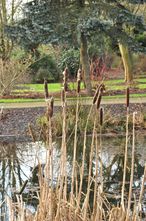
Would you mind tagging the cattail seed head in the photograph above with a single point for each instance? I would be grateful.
(78, 86)
(79, 75)
(65, 78)
(99, 99)
(50, 107)
(101, 112)
(127, 97)
(100, 87)
(63, 95)
(65, 74)
(46, 89)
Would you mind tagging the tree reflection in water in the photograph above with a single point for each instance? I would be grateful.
(17, 161)
(10, 173)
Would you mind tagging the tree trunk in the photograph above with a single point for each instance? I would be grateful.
(127, 62)
(84, 59)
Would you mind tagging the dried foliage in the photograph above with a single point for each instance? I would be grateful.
(57, 203)
(11, 73)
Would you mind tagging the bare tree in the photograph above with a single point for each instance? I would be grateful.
(8, 11)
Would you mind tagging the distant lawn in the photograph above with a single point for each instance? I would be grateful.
(25, 100)
(20, 100)
(52, 87)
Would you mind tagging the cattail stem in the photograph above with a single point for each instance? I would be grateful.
(63, 176)
(125, 160)
(141, 192)
(75, 147)
(90, 180)
(132, 169)
(31, 132)
(83, 158)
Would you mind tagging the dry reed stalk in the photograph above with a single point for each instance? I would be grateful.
(101, 170)
(79, 77)
(97, 98)
(11, 209)
(95, 179)
(62, 195)
(141, 193)
(90, 179)
(117, 214)
(132, 170)
(75, 150)
(47, 192)
(83, 158)
(125, 160)
(1, 113)
(31, 132)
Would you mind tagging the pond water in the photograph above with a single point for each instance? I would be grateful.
(19, 162)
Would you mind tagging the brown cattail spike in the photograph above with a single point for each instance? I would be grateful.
(79, 75)
(65, 78)
(101, 111)
(46, 89)
(50, 108)
(78, 86)
(100, 87)
(63, 95)
(127, 97)
(99, 99)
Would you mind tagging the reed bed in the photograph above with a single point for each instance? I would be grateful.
(61, 203)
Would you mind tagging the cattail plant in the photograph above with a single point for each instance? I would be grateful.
(126, 150)
(127, 97)
(99, 100)
(79, 77)
(50, 105)
(132, 169)
(101, 112)
(63, 96)
(100, 87)
(65, 78)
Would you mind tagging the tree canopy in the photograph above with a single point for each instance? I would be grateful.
(66, 21)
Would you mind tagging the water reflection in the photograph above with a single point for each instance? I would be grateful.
(19, 162)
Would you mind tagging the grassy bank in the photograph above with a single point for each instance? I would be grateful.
(88, 99)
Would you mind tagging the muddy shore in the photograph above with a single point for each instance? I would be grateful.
(14, 122)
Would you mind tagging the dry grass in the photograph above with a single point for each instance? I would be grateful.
(56, 204)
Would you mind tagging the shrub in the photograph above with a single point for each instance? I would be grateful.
(45, 67)
(70, 58)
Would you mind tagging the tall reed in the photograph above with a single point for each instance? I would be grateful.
(91, 204)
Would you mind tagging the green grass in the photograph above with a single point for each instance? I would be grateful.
(27, 100)
(115, 84)
(20, 100)
(52, 87)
